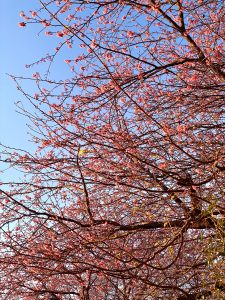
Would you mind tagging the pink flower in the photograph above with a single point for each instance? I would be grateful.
(36, 96)
(45, 23)
(22, 24)
(59, 34)
(33, 14)
(130, 33)
(108, 56)
(48, 33)
(36, 75)
(69, 44)
(162, 165)
(22, 14)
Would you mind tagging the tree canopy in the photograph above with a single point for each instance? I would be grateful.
(124, 197)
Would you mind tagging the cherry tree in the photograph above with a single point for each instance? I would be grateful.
(124, 196)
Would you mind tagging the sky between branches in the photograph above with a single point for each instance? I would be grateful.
(16, 48)
(19, 47)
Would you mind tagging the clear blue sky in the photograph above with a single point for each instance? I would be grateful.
(18, 47)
